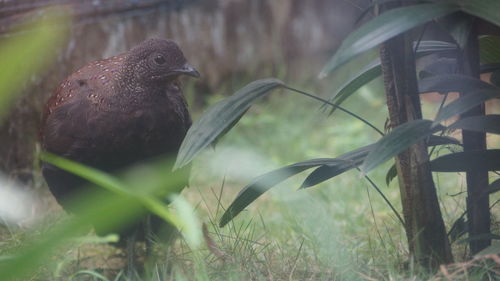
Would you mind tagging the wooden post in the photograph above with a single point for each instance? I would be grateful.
(478, 211)
(425, 230)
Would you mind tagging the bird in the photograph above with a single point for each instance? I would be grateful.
(113, 113)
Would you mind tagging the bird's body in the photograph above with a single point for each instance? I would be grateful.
(116, 112)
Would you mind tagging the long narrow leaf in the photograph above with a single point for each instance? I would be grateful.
(383, 28)
(432, 141)
(368, 74)
(453, 83)
(116, 186)
(491, 250)
(24, 55)
(221, 117)
(488, 49)
(343, 163)
(397, 141)
(468, 161)
(265, 182)
(486, 123)
(495, 78)
(428, 47)
(490, 67)
(441, 140)
(373, 70)
(494, 186)
(465, 103)
(485, 9)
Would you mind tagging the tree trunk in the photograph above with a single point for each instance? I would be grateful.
(478, 212)
(425, 230)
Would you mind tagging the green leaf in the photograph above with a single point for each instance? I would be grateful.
(485, 236)
(106, 212)
(373, 70)
(491, 250)
(494, 186)
(441, 140)
(399, 139)
(429, 47)
(468, 161)
(490, 67)
(458, 26)
(119, 188)
(369, 73)
(495, 78)
(458, 229)
(489, 52)
(485, 9)
(26, 54)
(432, 141)
(486, 123)
(453, 83)
(391, 174)
(466, 102)
(265, 182)
(383, 28)
(337, 166)
(221, 117)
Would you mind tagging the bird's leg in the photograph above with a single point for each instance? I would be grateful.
(131, 271)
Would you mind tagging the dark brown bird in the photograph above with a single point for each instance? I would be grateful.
(116, 112)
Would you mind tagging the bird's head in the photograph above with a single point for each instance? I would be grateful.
(157, 60)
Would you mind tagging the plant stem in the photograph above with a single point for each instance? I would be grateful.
(337, 107)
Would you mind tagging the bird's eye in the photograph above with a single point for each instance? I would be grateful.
(159, 59)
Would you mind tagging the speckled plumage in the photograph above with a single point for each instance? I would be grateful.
(116, 112)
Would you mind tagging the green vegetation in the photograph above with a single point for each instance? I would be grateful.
(339, 228)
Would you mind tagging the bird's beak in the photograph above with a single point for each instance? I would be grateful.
(188, 69)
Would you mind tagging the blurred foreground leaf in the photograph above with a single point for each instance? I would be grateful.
(27, 53)
(106, 213)
(161, 186)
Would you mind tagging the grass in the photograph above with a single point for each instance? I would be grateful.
(338, 230)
